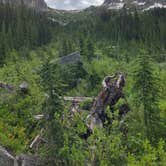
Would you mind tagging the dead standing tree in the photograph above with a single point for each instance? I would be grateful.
(109, 96)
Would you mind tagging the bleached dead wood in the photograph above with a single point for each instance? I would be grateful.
(7, 86)
(78, 99)
(34, 141)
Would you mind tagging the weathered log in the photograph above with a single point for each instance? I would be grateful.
(37, 141)
(77, 99)
(7, 86)
(38, 117)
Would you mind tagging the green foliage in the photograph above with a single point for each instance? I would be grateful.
(21, 28)
(86, 105)
(76, 72)
(150, 155)
(18, 127)
(53, 109)
(66, 48)
(109, 42)
(147, 93)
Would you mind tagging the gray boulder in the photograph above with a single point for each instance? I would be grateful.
(28, 160)
(6, 159)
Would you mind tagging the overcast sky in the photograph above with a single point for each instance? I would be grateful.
(72, 4)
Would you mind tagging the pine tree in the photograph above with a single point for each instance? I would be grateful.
(3, 45)
(82, 47)
(53, 109)
(90, 50)
(9, 38)
(136, 25)
(147, 92)
(66, 48)
(19, 32)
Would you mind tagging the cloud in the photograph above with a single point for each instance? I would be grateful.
(72, 4)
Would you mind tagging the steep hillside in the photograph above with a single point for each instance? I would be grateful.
(53, 64)
(140, 4)
(36, 4)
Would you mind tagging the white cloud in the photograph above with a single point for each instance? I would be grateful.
(72, 4)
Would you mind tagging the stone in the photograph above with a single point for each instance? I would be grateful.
(28, 160)
(6, 159)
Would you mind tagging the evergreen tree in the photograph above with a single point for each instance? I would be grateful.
(3, 45)
(82, 47)
(66, 48)
(90, 50)
(147, 92)
(23, 27)
(9, 38)
(19, 32)
(53, 109)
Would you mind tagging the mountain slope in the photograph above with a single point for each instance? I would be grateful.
(39, 5)
(139, 4)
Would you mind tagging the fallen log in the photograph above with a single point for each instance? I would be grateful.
(7, 86)
(78, 99)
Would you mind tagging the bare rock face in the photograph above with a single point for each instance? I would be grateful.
(6, 159)
(71, 58)
(108, 2)
(36, 4)
(28, 160)
(139, 4)
(39, 5)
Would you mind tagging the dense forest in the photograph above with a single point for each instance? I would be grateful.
(32, 45)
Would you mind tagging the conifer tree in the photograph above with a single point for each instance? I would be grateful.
(82, 47)
(90, 50)
(9, 38)
(147, 92)
(3, 45)
(53, 109)
(66, 48)
(19, 32)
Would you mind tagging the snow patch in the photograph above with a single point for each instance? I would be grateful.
(58, 21)
(155, 5)
(116, 5)
(139, 3)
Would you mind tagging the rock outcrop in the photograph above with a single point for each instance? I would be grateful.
(39, 5)
(139, 4)
(28, 160)
(71, 58)
(6, 159)
(36, 4)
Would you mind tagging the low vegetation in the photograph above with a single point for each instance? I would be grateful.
(109, 42)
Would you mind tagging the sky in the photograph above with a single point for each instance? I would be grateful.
(72, 4)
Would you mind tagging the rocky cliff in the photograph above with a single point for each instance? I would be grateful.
(35, 4)
(140, 4)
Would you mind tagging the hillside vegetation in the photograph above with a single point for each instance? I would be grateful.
(109, 42)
